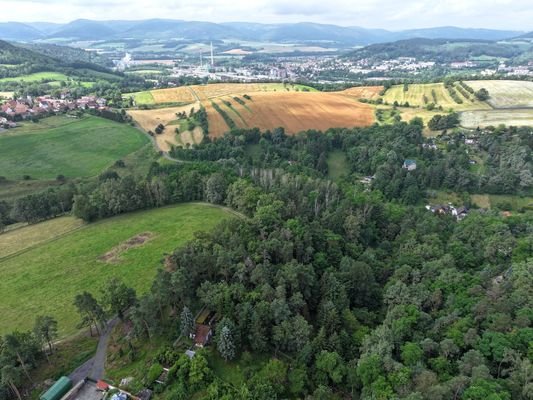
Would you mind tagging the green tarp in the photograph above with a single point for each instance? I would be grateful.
(58, 389)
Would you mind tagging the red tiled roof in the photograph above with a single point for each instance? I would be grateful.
(101, 385)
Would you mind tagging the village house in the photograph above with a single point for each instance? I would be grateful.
(409, 165)
(26, 108)
(204, 328)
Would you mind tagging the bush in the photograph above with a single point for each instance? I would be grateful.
(153, 373)
(482, 94)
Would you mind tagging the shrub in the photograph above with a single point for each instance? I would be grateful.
(153, 373)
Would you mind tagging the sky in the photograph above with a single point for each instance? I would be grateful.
(387, 14)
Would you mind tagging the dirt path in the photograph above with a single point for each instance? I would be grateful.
(94, 368)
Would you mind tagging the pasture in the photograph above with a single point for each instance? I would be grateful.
(419, 95)
(509, 117)
(70, 147)
(38, 77)
(17, 240)
(45, 278)
(295, 112)
(506, 94)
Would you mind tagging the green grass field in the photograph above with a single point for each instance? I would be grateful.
(506, 94)
(46, 278)
(37, 77)
(18, 240)
(61, 145)
(337, 165)
(508, 117)
(142, 98)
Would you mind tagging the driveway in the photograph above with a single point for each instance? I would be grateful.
(94, 368)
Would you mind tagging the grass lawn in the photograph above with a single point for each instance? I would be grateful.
(67, 356)
(45, 279)
(37, 77)
(235, 372)
(71, 147)
(337, 165)
(142, 97)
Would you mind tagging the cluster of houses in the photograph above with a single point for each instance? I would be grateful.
(448, 209)
(35, 106)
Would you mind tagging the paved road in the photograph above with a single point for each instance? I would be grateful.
(94, 368)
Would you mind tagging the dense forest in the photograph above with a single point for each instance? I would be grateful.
(440, 50)
(353, 289)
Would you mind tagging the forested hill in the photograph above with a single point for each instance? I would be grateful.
(442, 50)
(342, 289)
(67, 54)
(18, 60)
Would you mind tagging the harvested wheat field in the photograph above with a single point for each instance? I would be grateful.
(189, 94)
(173, 95)
(295, 112)
(506, 94)
(363, 92)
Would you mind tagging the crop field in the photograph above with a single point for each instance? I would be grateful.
(506, 94)
(149, 119)
(509, 117)
(189, 94)
(6, 95)
(66, 146)
(363, 92)
(37, 77)
(45, 278)
(415, 97)
(295, 112)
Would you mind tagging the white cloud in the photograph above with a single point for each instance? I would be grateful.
(388, 14)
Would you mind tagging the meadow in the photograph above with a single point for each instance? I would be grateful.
(506, 94)
(38, 77)
(509, 117)
(45, 278)
(70, 147)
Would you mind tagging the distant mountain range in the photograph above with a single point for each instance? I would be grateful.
(83, 29)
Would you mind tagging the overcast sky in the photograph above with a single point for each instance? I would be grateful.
(388, 14)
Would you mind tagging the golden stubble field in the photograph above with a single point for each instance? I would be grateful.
(295, 112)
